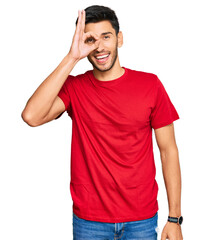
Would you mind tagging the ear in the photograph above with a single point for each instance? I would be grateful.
(120, 39)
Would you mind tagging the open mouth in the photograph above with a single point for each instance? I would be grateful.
(103, 58)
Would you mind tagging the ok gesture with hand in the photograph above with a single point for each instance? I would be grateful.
(81, 47)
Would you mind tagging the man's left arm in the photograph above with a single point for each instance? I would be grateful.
(165, 138)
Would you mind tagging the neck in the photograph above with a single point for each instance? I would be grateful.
(115, 72)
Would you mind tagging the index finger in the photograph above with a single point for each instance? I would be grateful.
(89, 35)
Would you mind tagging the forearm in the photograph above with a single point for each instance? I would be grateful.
(42, 99)
(172, 178)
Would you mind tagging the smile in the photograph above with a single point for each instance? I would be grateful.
(103, 58)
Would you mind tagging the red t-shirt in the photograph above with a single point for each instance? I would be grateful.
(112, 160)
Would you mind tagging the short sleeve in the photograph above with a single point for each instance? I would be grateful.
(65, 96)
(163, 111)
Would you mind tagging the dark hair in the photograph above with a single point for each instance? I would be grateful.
(97, 13)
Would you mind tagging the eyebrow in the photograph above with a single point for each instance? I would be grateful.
(105, 33)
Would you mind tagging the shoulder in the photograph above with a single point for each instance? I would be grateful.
(81, 76)
(142, 73)
(144, 77)
(73, 79)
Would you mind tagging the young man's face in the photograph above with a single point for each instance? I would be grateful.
(108, 46)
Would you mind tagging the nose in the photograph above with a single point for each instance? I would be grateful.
(100, 47)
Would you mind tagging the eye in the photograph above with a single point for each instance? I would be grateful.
(106, 37)
(89, 40)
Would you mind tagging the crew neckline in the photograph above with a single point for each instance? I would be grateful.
(108, 82)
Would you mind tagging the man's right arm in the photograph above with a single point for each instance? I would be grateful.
(45, 105)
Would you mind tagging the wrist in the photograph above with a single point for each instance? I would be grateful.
(175, 213)
(70, 59)
(175, 210)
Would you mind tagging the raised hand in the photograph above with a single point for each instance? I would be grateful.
(83, 43)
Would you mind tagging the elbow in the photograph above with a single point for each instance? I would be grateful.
(27, 118)
(169, 153)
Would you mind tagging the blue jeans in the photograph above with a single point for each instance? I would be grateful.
(135, 230)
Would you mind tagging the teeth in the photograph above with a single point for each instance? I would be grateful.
(104, 56)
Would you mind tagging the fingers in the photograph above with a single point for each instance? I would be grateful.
(83, 20)
(78, 23)
(78, 27)
(92, 40)
(90, 35)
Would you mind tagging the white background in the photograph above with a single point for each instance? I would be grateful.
(162, 37)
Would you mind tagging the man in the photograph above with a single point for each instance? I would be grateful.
(113, 110)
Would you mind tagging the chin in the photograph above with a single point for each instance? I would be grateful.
(103, 68)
